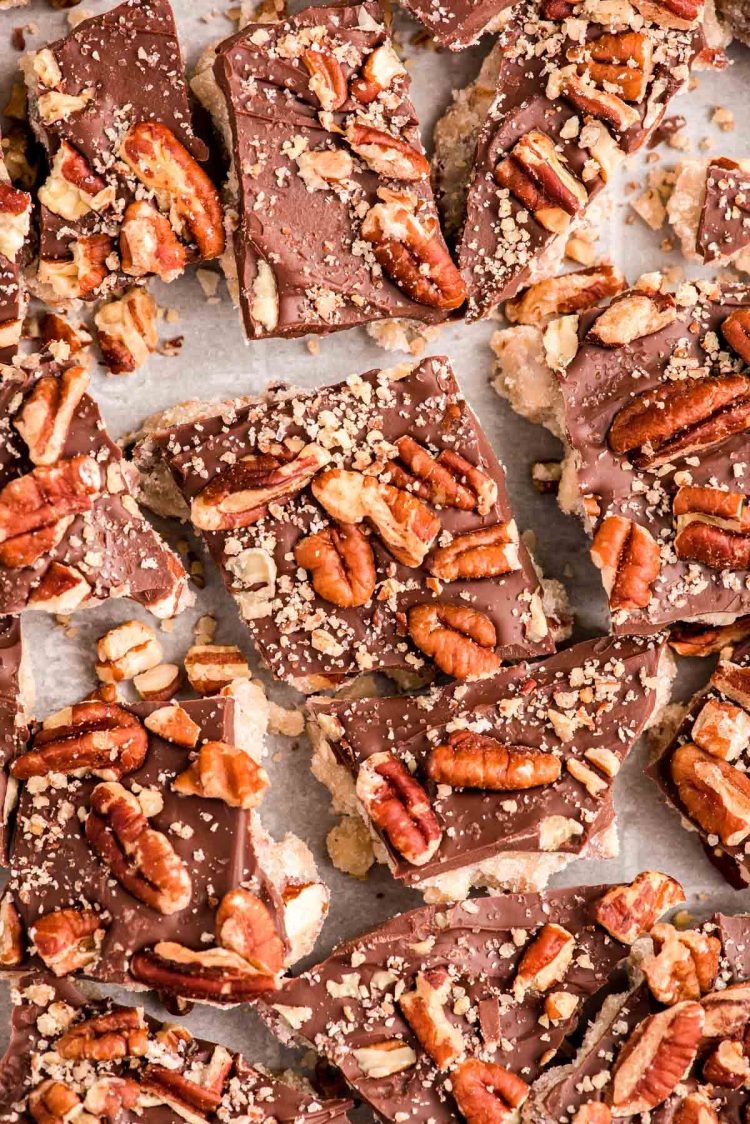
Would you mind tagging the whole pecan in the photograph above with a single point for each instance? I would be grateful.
(214, 974)
(121, 1033)
(239, 495)
(714, 794)
(471, 760)
(47, 412)
(656, 1058)
(399, 806)
(546, 960)
(98, 737)
(448, 480)
(459, 640)
(423, 1008)
(684, 964)
(244, 925)
(342, 564)
(224, 772)
(630, 910)
(33, 506)
(68, 939)
(327, 79)
(53, 1102)
(677, 419)
(487, 553)
(162, 164)
(630, 561)
(142, 859)
(487, 1093)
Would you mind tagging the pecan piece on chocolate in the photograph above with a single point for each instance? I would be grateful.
(405, 524)
(109, 1097)
(214, 974)
(701, 640)
(722, 729)
(736, 331)
(121, 1033)
(142, 859)
(191, 1099)
(589, 99)
(696, 1108)
(676, 419)
(679, 15)
(545, 962)
(459, 640)
(97, 737)
(684, 964)
(327, 79)
(655, 1058)
(47, 412)
(244, 925)
(630, 561)
(487, 1093)
(448, 480)
(35, 509)
(471, 760)
(541, 180)
(727, 1065)
(342, 564)
(239, 495)
(620, 63)
(633, 316)
(560, 296)
(630, 910)
(224, 772)
(733, 680)
(487, 553)
(53, 1102)
(388, 156)
(380, 70)
(68, 940)
(424, 1009)
(713, 527)
(398, 805)
(715, 795)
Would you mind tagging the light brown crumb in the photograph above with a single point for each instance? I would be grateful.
(724, 118)
(650, 208)
(350, 847)
(313, 346)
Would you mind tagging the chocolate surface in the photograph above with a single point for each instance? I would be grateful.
(15, 220)
(13, 725)
(596, 695)
(724, 227)
(109, 550)
(302, 636)
(459, 23)
(303, 263)
(45, 1009)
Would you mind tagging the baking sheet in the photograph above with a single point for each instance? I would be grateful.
(215, 361)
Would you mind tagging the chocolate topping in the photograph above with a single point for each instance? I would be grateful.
(724, 227)
(459, 23)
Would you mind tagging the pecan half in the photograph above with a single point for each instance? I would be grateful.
(677, 419)
(149, 245)
(701, 640)
(459, 640)
(471, 760)
(68, 940)
(389, 156)
(32, 507)
(487, 1093)
(126, 650)
(713, 527)
(541, 180)
(448, 480)
(342, 564)
(722, 729)
(44, 419)
(546, 960)
(239, 495)
(214, 974)
(655, 1058)
(488, 553)
(736, 331)
(409, 247)
(727, 1011)
(684, 964)
(631, 317)
(405, 524)
(121, 1033)
(424, 1009)
(109, 1097)
(224, 772)
(630, 910)
(398, 805)
(630, 561)
(560, 296)
(96, 737)
(714, 794)
(162, 164)
(142, 859)
(620, 63)
(244, 925)
(11, 934)
(695, 1109)
(327, 79)
(53, 1102)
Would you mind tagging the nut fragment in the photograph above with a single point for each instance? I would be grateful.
(545, 962)
(684, 965)
(695, 1109)
(72, 189)
(540, 178)
(488, 553)
(424, 1010)
(121, 1033)
(593, 1112)
(620, 63)
(722, 729)
(727, 1065)
(560, 296)
(389, 156)
(224, 772)
(44, 419)
(214, 974)
(174, 724)
(714, 794)
(487, 1093)
(736, 331)
(655, 1058)
(142, 859)
(68, 940)
(342, 564)
(211, 667)
(11, 934)
(34, 508)
(97, 737)
(125, 651)
(733, 681)
(399, 806)
(327, 80)
(630, 910)
(149, 245)
(471, 760)
(713, 527)
(244, 925)
(53, 1102)
(384, 1059)
(630, 561)
(459, 640)
(380, 70)
(158, 683)
(126, 331)
(448, 480)
(632, 317)
(701, 640)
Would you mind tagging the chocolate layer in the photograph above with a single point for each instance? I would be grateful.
(459, 23)
(15, 223)
(724, 227)
(13, 720)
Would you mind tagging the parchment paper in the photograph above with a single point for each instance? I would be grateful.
(215, 361)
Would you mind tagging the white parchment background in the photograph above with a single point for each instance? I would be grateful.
(215, 361)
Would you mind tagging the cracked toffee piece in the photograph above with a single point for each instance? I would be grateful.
(703, 770)
(138, 858)
(446, 1014)
(71, 533)
(652, 397)
(500, 782)
(460, 23)
(72, 1056)
(363, 527)
(16, 700)
(669, 1047)
(709, 208)
(574, 97)
(15, 224)
(331, 216)
(125, 198)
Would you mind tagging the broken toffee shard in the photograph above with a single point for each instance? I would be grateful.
(452, 1012)
(460, 23)
(709, 209)
(71, 533)
(574, 96)
(150, 845)
(15, 225)
(350, 232)
(16, 702)
(652, 397)
(126, 197)
(497, 783)
(71, 1055)
(361, 527)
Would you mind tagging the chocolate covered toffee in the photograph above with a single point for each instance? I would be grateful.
(16, 701)
(15, 226)
(459, 23)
